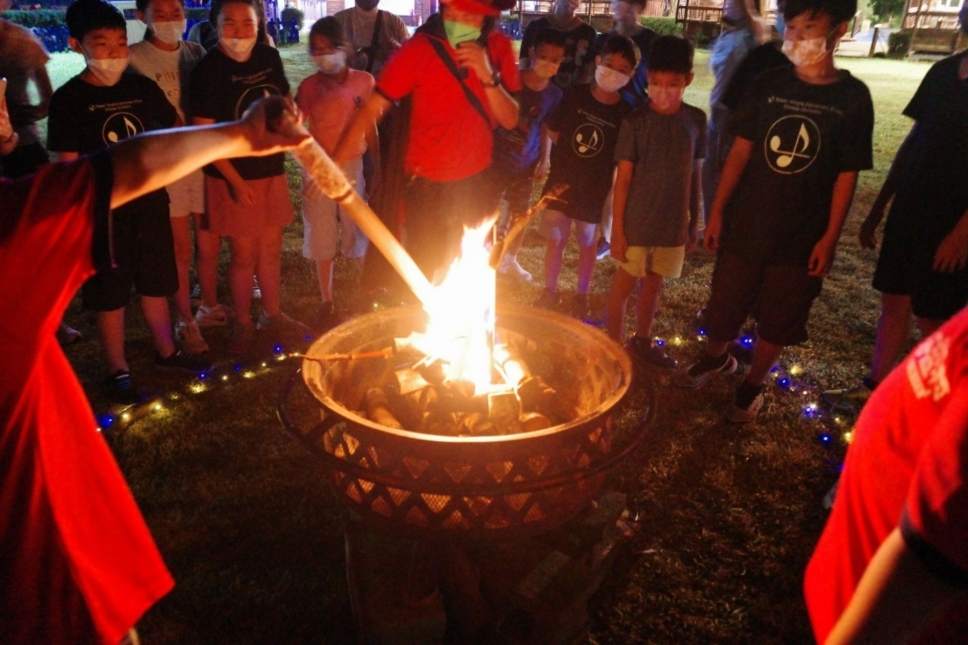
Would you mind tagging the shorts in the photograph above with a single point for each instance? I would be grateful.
(187, 195)
(555, 226)
(144, 252)
(227, 217)
(778, 296)
(320, 215)
(905, 270)
(515, 185)
(666, 261)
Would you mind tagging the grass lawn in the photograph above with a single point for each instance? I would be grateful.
(252, 533)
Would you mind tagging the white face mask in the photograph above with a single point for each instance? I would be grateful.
(805, 52)
(545, 68)
(330, 63)
(610, 80)
(238, 49)
(170, 32)
(666, 99)
(107, 70)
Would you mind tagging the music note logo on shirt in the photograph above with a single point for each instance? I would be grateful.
(121, 125)
(588, 140)
(792, 144)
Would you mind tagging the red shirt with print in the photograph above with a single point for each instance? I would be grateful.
(906, 467)
(449, 139)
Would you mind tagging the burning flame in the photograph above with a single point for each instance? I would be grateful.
(460, 330)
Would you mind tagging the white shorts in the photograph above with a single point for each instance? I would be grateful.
(555, 226)
(187, 195)
(662, 260)
(320, 228)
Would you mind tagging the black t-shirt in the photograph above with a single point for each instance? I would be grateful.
(222, 89)
(637, 89)
(761, 59)
(584, 156)
(933, 192)
(85, 118)
(578, 43)
(804, 136)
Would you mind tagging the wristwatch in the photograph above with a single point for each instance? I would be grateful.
(495, 79)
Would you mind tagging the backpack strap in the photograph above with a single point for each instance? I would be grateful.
(475, 102)
(371, 54)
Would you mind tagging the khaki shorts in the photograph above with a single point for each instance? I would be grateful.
(323, 219)
(232, 219)
(187, 195)
(662, 260)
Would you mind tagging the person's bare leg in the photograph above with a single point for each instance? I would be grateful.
(893, 334)
(245, 251)
(586, 265)
(159, 322)
(181, 232)
(765, 356)
(647, 304)
(110, 326)
(552, 263)
(324, 274)
(623, 283)
(209, 246)
(268, 269)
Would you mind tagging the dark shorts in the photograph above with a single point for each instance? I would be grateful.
(514, 185)
(779, 297)
(904, 269)
(144, 253)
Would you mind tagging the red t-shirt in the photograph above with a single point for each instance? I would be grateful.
(906, 467)
(449, 139)
(77, 563)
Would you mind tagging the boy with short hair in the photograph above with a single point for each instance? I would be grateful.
(584, 131)
(802, 135)
(96, 108)
(656, 195)
(521, 154)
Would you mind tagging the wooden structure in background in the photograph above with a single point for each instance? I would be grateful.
(598, 13)
(935, 30)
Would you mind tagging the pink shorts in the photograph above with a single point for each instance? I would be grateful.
(232, 219)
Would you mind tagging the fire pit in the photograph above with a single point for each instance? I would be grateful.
(468, 488)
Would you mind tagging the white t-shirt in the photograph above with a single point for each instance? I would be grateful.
(170, 70)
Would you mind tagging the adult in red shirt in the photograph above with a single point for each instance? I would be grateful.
(892, 563)
(77, 564)
(458, 72)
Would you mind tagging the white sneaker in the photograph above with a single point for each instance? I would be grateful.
(510, 267)
(211, 316)
(189, 337)
(256, 290)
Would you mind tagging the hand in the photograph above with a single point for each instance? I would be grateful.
(952, 254)
(693, 241)
(868, 239)
(6, 128)
(471, 55)
(242, 193)
(618, 246)
(714, 228)
(272, 125)
(822, 258)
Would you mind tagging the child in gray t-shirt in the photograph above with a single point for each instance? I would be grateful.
(657, 199)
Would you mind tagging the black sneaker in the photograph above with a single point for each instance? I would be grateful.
(548, 300)
(179, 360)
(704, 369)
(119, 388)
(749, 400)
(603, 250)
(645, 352)
(580, 306)
(326, 318)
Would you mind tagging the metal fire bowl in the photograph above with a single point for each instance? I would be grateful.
(469, 488)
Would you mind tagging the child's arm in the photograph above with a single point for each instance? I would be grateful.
(739, 156)
(240, 190)
(620, 197)
(365, 118)
(868, 228)
(822, 257)
(952, 253)
(373, 145)
(544, 157)
(695, 205)
(503, 105)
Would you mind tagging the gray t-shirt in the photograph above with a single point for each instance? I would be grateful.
(663, 148)
(170, 70)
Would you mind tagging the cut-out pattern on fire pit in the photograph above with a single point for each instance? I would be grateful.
(469, 487)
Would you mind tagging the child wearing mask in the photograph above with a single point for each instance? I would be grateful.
(247, 199)
(329, 99)
(657, 196)
(168, 60)
(521, 153)
(803, 134)
(99, 107)
(584, 130)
